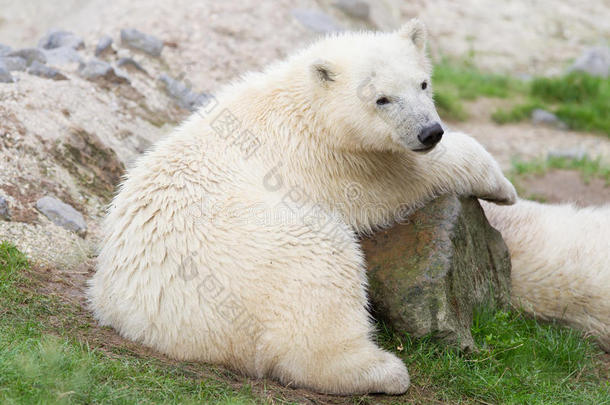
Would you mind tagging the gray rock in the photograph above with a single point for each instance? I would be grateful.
(96, 69)
(103, 45)
(142, 42)
(30, 55)
(540, 116)
(38, 69)
(5, 49)
(5, 75)
(577, 153)
(4, 211)
(121, 76)
(594, 61)
(316, 21)
(544, 117)
(183, 93)
(354, 8)
(13, 63)
(130, 64)
(58, 39)
(62, 56)
(62, 214)
(427, 276)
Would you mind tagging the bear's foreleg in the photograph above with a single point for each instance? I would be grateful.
(460, 165)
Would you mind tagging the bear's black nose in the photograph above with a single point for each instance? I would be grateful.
(431, 135)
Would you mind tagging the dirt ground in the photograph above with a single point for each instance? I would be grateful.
(566, 186)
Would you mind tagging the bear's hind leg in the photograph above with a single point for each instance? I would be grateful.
(359, 367)
(317, 329)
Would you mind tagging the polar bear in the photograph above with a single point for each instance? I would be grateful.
(560, 258)
(234, 240)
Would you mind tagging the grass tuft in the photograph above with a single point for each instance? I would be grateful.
(589, 168)
(518, 113)
(449, 106)
(578, 99)
(469, 82)
(574, 87)
(520, 361)
(454, 82)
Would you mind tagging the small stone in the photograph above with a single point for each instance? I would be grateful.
(62, 56)
(316, 21)
(5, 49)
(354, 8)
(103, 45)
(577, 153)
(5, 75)
(38, 69)
(183, 93)
(594, 61)
(96, 69)
(62, 214)
(13, 63)
(120, 76)
(540, 116)
(143, 42)
(130, 63)
(30, 55)
(4, 211)
(58, 39)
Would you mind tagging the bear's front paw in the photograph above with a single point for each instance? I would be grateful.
(503, 194)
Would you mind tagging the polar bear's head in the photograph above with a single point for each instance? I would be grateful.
(373, 90)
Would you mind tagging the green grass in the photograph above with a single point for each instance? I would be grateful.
(520, 361)
(468, 82)
(457, 81)
(449, 106)
(589, 168)
(520, 112)
(578, 99)
(37, 367)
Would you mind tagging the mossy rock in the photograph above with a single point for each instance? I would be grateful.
(428, 274)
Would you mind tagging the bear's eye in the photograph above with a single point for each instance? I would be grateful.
(382, 101)
(424, 85)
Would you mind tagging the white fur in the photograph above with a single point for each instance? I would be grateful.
(248, 257)
(561, 262)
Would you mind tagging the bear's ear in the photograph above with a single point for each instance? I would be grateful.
(323, 72)
(415, 31)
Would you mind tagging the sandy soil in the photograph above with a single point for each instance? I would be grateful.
(560, 186)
